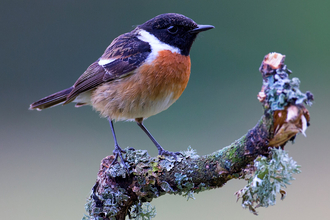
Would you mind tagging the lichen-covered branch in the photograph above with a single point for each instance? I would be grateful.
(119, 192)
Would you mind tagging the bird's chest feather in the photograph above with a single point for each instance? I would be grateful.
(151, 89)
(168, 74)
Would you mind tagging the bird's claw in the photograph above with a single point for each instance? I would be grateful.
(169, 153)
(118, 152)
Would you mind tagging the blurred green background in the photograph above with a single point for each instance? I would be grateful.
(49, 159)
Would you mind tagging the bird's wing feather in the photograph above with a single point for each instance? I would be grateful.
(121, 58)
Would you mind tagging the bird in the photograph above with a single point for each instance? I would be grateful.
(140, 74)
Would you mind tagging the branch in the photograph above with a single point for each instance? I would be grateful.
(119, 193)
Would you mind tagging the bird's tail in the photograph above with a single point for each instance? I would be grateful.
(51, 100)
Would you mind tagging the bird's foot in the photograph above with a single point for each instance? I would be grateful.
(161, 151)
(118, 152)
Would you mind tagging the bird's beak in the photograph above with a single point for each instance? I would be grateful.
(201, 28)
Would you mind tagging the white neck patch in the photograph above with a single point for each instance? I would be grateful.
(155, 44)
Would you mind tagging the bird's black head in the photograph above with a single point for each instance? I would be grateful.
(174, 29)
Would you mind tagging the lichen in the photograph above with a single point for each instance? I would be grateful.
(166, 187)
(282, 91)
(105, 204)
(136, 156)
(190, 153)
(269, 178)
(184, 185)
(144, 211)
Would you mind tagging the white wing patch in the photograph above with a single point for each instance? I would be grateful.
(103, 62)
(156, 45)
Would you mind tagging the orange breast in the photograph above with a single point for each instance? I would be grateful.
(169, 73)
(152, 88)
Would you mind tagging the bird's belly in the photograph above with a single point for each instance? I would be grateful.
(119, 104)
(150, 90)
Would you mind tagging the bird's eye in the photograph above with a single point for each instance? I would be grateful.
(172, 29)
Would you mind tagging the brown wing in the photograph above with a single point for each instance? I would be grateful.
(122, 57)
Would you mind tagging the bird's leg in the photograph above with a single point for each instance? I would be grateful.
(117, 151)
(161, 150)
